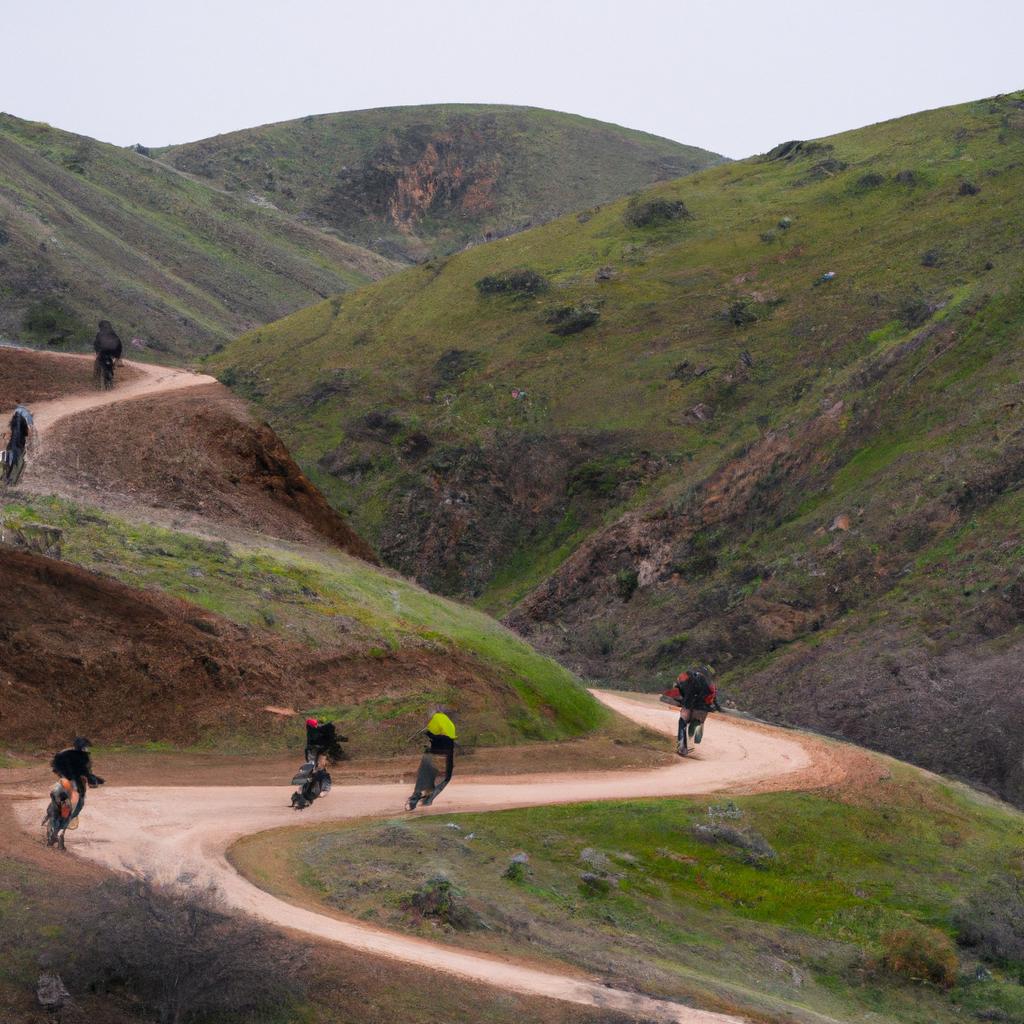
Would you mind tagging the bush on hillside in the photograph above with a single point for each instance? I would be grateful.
(871, 180)
(48, 322)
(513, 282)
(991, 923)
(180, 953)
(626, 582)
(914, 312)
(565, 320)
(654, 212)
(921, 954)
(438, 899)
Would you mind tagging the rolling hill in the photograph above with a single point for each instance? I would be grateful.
(767, 415)
(414, 181)
(89, 230)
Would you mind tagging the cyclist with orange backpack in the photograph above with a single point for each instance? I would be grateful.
(696, 695)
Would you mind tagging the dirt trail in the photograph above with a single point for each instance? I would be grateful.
(147, 380)
(184, 833)
(172, 833)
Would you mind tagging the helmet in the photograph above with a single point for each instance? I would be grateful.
(81, 743)
(312, 721)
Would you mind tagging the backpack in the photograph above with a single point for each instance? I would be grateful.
(698, 690)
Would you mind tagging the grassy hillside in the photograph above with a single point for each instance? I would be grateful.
(89, 230)
(409, 181)
(678, 437)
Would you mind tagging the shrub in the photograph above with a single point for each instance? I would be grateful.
(914, 312)
(921, 954)
(49, 322)
(654, 212)
(180, 953)
(565, 320)
(991, 923)
(439, 899)
(513, 282)
(870, 180)
(755, 847)
(626, 582)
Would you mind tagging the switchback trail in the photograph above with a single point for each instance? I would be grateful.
(147, 380)
(184, 833)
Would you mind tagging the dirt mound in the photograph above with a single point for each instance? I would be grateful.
(83, 654)
(197, 451)
(41, 376)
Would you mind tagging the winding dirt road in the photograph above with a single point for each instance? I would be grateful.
(183, 834)
(173, 834)
(147, 380)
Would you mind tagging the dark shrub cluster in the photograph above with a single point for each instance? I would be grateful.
(513, 282)
(653, 212)
(991, 923)
(565, 320)
(180, 953)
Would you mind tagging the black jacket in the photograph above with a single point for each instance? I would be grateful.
(74, 764)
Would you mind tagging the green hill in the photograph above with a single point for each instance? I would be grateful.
(410, 181)
(89, 230)
(677, 438)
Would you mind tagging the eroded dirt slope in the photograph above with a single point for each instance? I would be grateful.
(201, 452)
(85, 654)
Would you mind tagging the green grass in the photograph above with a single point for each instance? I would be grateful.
(801, 930)
(302, 599)
(664, 308)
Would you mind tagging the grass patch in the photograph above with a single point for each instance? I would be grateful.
(818, 917)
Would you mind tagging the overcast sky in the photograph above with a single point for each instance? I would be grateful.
(735, 76)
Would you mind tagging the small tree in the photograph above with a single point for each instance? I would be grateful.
(181, 953)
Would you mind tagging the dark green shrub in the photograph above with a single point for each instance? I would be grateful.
(871, 180)
(991, 923)
(454, 363)
(513, 282)
(439, 899)
(50, 323)
(654, 212)
(626, 582)
(566, 320)
(914, 312)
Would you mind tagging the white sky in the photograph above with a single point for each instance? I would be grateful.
(735, 76)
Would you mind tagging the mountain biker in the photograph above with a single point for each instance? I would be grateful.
(108, 348)
(441, 737)
(323, 742)
(20, 436)
(73, 765)
(323, 747)
(695, 694)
